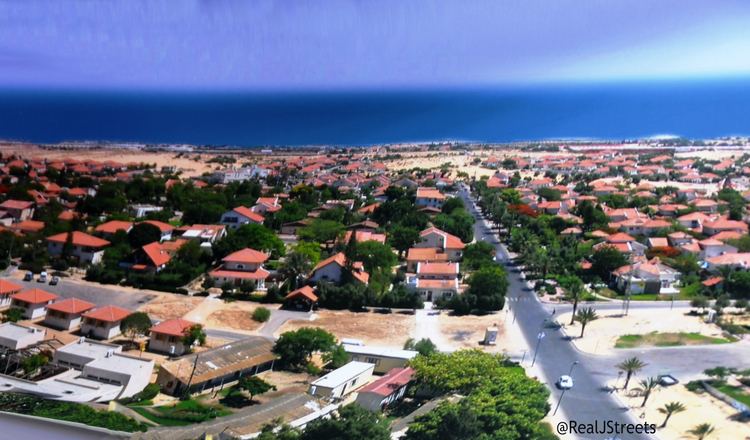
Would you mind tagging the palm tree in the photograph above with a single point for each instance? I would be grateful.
(701, 431)
(573, 287)
(647, 387)
(295, 266)
(631, 367)
(584, 316)
(669, 409)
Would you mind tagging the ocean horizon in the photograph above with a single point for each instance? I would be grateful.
(612, 111)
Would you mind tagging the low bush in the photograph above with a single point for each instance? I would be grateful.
(261, 314)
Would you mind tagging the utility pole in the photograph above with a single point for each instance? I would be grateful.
(539, 338)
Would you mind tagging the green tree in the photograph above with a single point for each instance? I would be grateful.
(574, 289)
(631, 366)
(647, 387)
(585, 316)
(254, 386)
(402, 238)
(699, 302)
(13, 314)
(669, 409)
(261, 314)
(252, 236)
(424, 346)
(142, 234)
(486, 292)
(351, 423)
(337, 357)
(295, 348)
(478, 254)
(193, 334)
(136, 324)
(605, 260)
(295, 267)
(321, 231)
(701, 431)
(310, 249)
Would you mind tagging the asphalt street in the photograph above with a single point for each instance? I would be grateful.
(101, 295)
(588, 401)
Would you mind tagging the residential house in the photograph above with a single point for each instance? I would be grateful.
(447, 243)
(141, 210)
(8, 289)
(164, 228)
(205, 235)
(303, 298)
(434, 281)
(384, 358)
(378, 395)
(167, 336)
(67, 313)
(332, 270)
(423, 255)
(33, 302)
(103, 322)
(86, 248)
(20, 210)
(647, 277)
(623, 243)
(241, 216)
(722, 224)
(110, 228)
(429, 197)
(739, 260)
(16, 336)
(243, 265)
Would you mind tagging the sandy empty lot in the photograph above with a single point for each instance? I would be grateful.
(700, 408)
(372, 328)
(468, 331)
(601, 335)
(171, 306)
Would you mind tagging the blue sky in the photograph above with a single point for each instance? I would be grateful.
(348, 44)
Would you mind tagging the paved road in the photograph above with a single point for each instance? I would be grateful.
(586, 402)
(101, 295)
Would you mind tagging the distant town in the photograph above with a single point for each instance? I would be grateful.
(381, 292)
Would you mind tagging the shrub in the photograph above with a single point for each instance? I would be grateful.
(261, 314)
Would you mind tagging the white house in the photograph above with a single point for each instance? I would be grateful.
(647, 277)
(66, 314)
(447, 243)
(429, 197)
(384, 358)
(167, 336)
(341, 382)
(333, 268)
(239, 216)
(245, 264)
(377, 395)
(15, 336)
(7, 289)
(32, 302)
(104, 322)
(86, 248)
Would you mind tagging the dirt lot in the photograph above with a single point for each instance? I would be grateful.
(372, 328)
(700, 408)
(468, 331)
(171, 306)
(234, 319)
(602, 334)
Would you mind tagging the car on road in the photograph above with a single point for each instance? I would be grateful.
(666, 380)
(54, 281)
(29, 276)
(42, 277)
(565, 382)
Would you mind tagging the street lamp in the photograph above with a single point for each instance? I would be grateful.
(571, 367)
(539, 338)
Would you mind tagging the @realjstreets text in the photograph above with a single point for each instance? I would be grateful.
(606, 427)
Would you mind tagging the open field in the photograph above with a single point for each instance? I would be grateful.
(468, 331)
(390, 330)
(171, 306)
(667, 340)
(603, 334)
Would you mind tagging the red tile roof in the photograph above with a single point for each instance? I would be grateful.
(79, 239)
(163, 227)
(108, 314)
(16, 204)
(305, 292)
(260, 274)
(34, 296)
(71, 305)
(113, 226)
(246, 255)
(390, 383)
(156, 253)
(172, 327)
(7, 287)
(249, 213)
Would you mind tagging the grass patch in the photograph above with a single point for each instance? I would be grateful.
(182, 413)
(690, 291)
(68, 411)
(668, 340)
(735, 392)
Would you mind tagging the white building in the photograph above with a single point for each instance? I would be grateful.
(377, 395)
(342, 381)
(86, 248)
(15, 336)
(384, 358)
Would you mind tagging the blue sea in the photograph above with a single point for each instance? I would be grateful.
(695, 109)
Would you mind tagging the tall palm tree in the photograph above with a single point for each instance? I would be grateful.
(647, 387)
(701, 431)
(669, 409)
(584, 316)
(631, 367)
(573, 287)
(295, 266)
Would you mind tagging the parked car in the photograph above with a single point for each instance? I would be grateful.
(29, 276)
(54, 281)
(42, 277)
(565, 382)
(666, 380)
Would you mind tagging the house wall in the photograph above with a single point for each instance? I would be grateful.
(342, 390)
(382, 364)
(62, 321)
(375, 402)
(100, 329)
(331, 273)
(163, 344)
(31, 311)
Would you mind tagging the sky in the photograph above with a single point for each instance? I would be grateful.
(264, 45)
